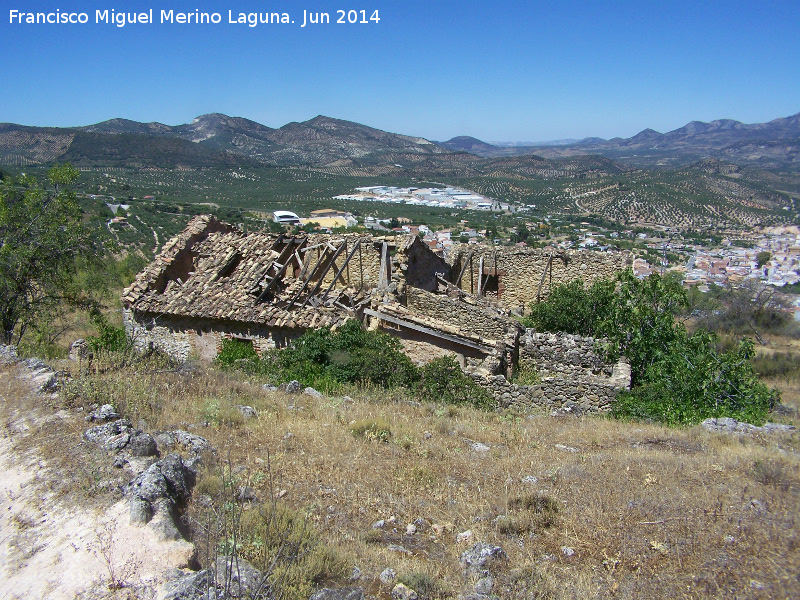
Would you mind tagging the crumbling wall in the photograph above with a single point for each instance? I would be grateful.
(473, 319)
(362, 271)
(587, 392)
(514, 274)
(421, 265)
(562, 353)
(185, 337)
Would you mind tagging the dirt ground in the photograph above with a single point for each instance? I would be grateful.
(56, 541)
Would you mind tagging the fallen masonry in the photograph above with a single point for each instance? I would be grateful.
(214, 282)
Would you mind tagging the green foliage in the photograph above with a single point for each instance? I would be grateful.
(234, 349)
(444, 381)
(525, 373)
(350, 354)
(376, 430)
(571, 308)
(41, 237)
(763, 258)
(109, 338)
(676, 377)
(694, 382)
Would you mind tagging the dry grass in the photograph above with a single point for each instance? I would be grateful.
(650, 512)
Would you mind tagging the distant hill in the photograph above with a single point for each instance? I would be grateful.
(217, 140)
(317, 142)
(465, 143)
(774, 145)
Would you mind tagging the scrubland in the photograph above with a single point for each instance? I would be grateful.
(583, 506)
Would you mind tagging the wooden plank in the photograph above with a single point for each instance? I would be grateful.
(384, 277)
(347, 260)
(324, 272)
(467, 261)
(480, 277)
(286, 256)
(547, 267)
(429, 331)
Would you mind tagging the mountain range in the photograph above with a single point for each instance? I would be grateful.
(217, 140)
(772, 145)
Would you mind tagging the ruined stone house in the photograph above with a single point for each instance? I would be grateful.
(213, 281)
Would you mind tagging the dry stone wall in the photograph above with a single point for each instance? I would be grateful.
(519, 271)
(588, 393)
(473, 319)
(562, 353)
(183, 337)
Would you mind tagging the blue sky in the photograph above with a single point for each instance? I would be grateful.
(508, 71)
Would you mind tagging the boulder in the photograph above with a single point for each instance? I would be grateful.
(403, 592)
(478, 559)
(142, 444)
(105, 413)
(155, 494)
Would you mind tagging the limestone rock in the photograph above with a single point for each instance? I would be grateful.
(142, 444)
(403, 592)
(79, 350)
(105, 413)
(478, 559)
(387, 576)
(293, 387)
(248, 412)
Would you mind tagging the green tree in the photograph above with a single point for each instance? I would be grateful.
(676, 377)
(41, 238)
(763, 258)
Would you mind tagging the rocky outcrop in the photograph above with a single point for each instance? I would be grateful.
(159, 493)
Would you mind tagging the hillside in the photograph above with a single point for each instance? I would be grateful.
(774, 145)
(121, 142)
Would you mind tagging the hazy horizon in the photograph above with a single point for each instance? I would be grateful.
(513, 71)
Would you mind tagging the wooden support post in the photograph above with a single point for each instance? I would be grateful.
(547, 267)
(360, 269)
(480, 277)
(467, 261)
(324, 272)
(383, 280)
(471, 276)
(346, 262)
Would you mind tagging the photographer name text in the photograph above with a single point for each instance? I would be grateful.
(172, 17)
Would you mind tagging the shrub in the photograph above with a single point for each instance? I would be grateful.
(348, 355)
(676, 377)
(571, 308)
(109, 338)
(444, 381)
(234, 349)
(525, 373)
(376, 430)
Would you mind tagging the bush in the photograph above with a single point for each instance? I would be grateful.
(109, 338)
(234, 349)
(571, 308)
(321, 358)
(676, 377)
(376, 430)
(444, 381)
(526, 373)
(694, 382)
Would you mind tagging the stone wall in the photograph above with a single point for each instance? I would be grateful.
(588, 393)
(562, 353)
(363, 270)
(514, 274)
(473, 319)
(183, 337)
